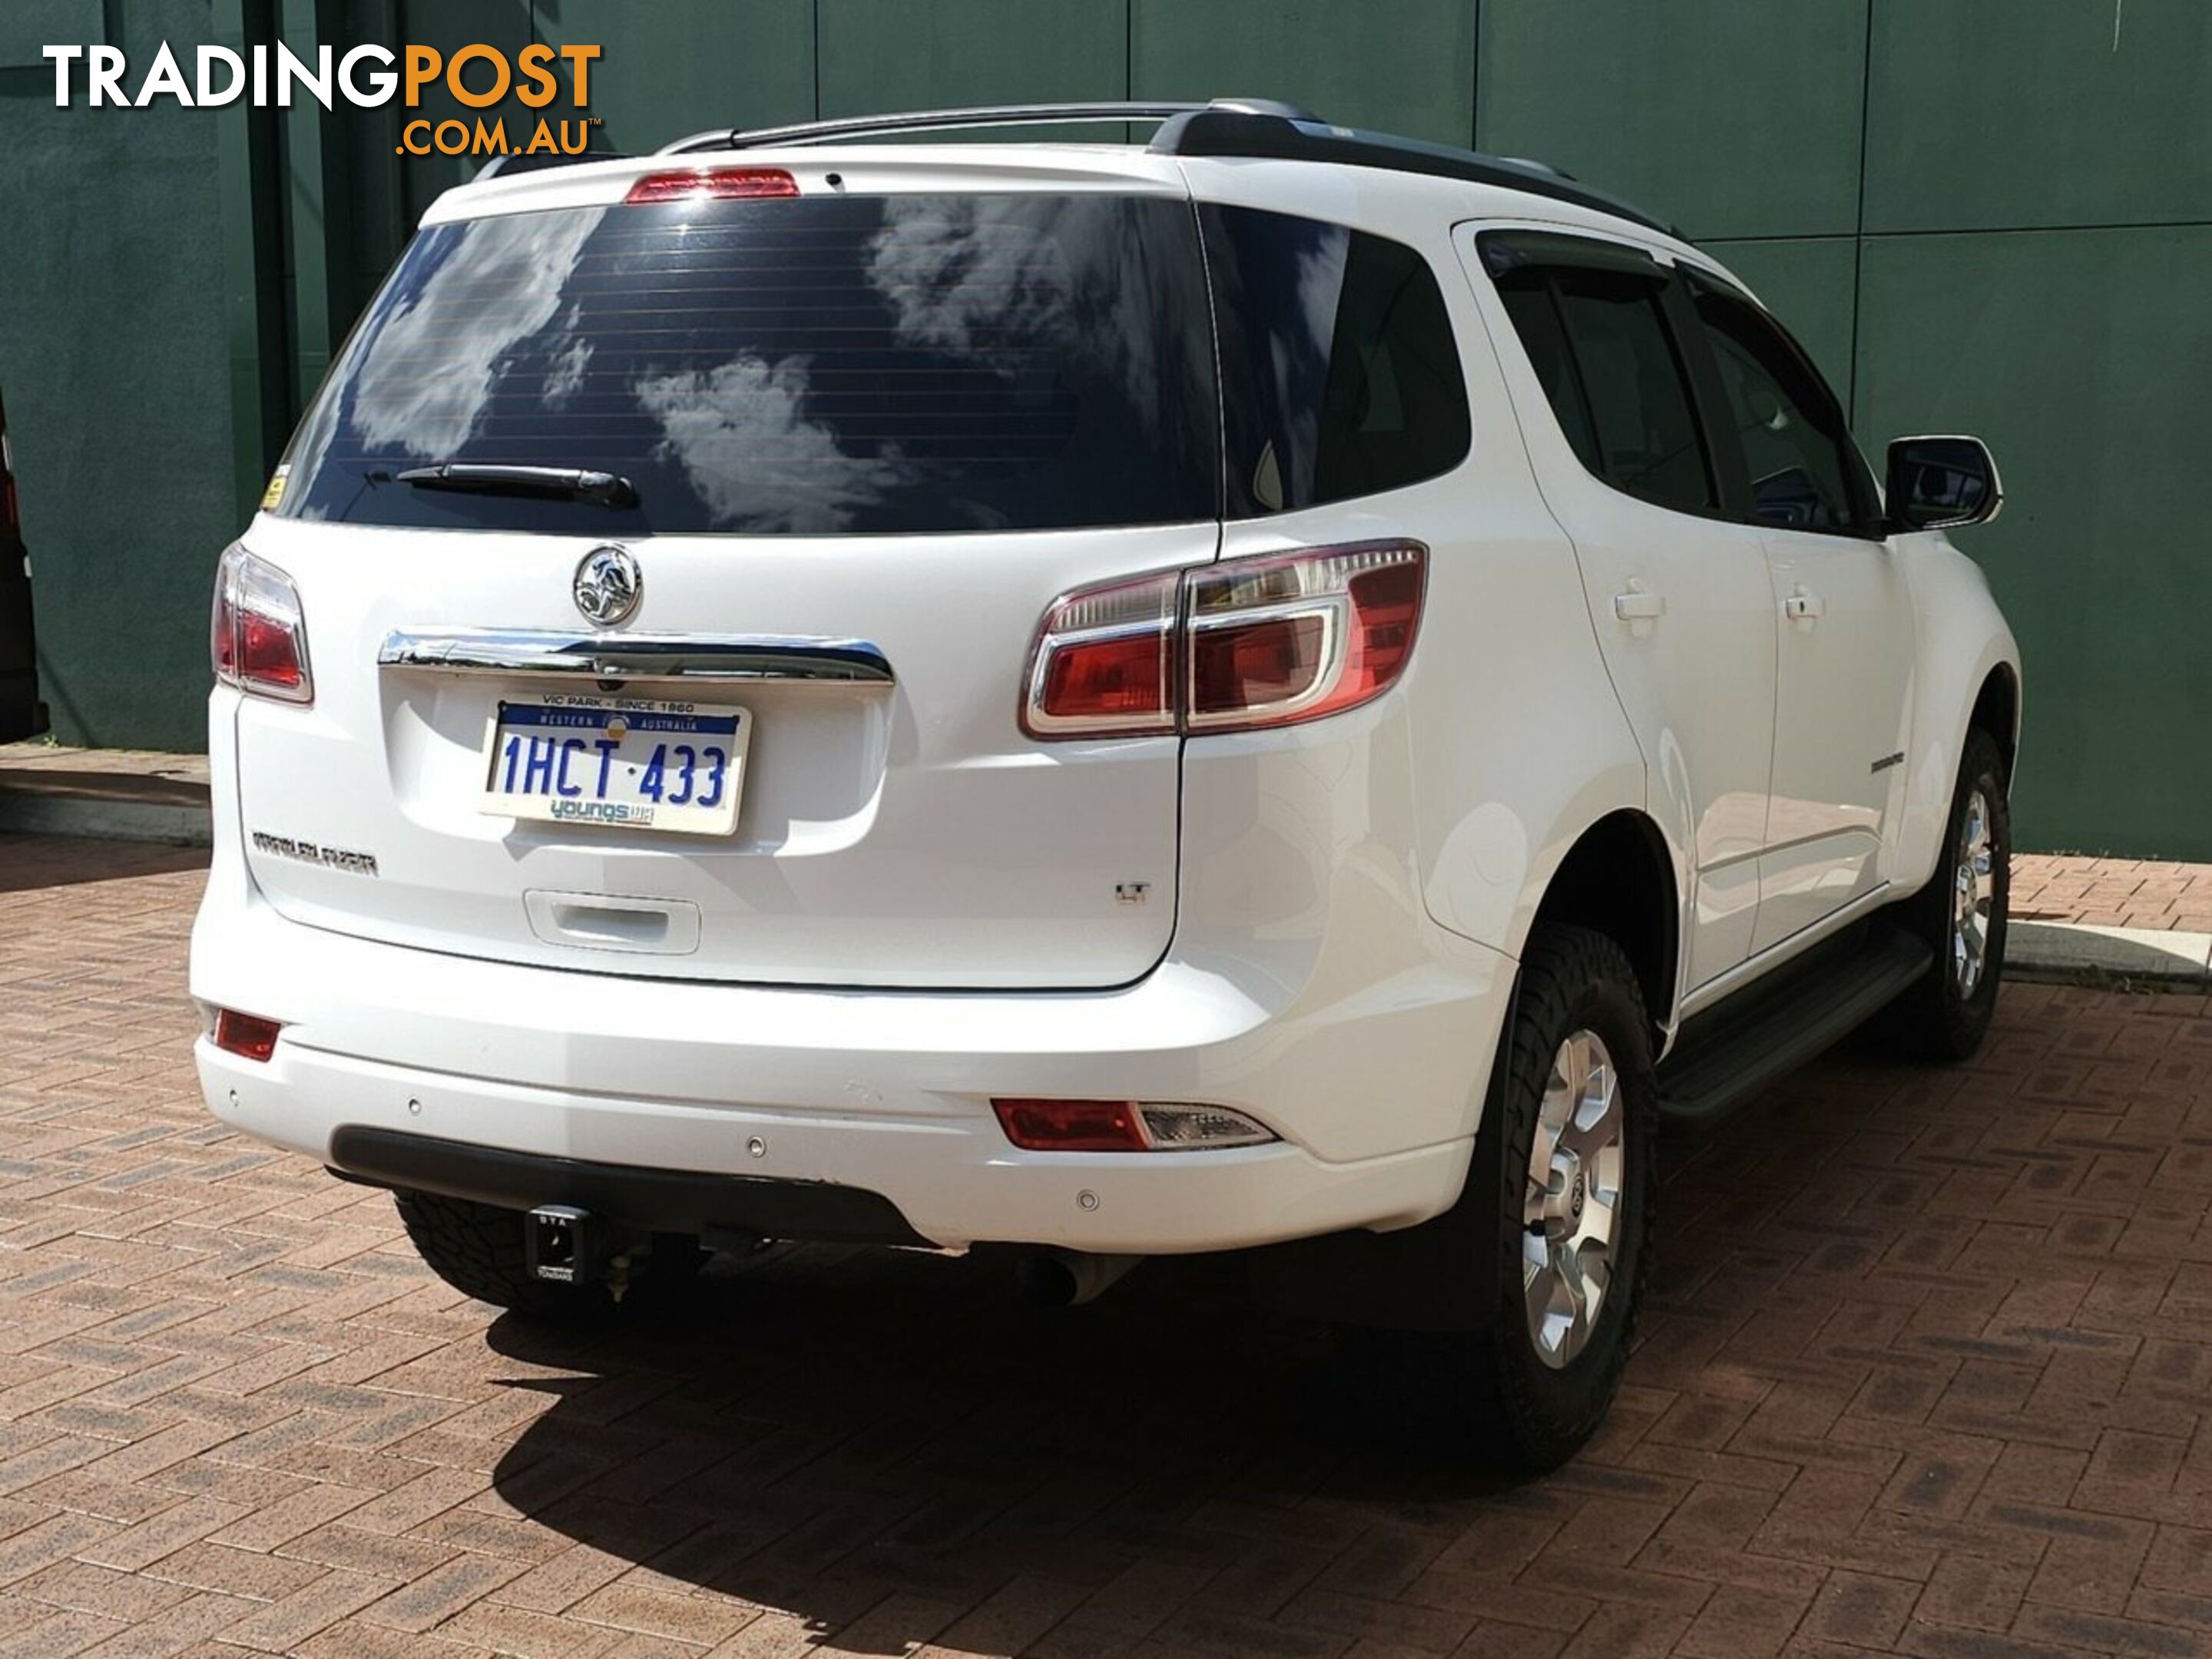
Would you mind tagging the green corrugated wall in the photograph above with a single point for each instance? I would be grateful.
(1981, 214)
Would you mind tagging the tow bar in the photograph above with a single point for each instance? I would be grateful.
(563, 1244)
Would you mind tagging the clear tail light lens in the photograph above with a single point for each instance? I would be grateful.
(1228, 647)
(257, 635)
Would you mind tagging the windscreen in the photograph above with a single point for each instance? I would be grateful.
(819, 365)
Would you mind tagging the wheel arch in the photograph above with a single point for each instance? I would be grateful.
(1619, 878)
(1996, 711)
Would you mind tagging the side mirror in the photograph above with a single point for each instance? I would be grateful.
(1942, 484)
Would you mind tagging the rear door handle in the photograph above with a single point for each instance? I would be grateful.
(1639, 607)
(1804, 608)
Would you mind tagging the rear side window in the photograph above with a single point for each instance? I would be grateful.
(1340, 376)
(822, 365)
(1535, 314)
(1599, 342)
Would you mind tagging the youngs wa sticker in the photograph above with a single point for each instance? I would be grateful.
(366, 76)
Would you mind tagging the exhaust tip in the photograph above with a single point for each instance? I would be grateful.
(1067, 1278)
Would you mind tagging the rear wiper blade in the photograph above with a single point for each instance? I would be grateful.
(610, 487)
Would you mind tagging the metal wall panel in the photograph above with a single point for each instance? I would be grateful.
(2070, 352)
(1399, 65)
(115, 365)
(668, 70)
(1730, 117)
(1994, 114)
(879, 55)
(449, 25)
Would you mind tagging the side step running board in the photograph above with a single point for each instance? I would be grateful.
(1775, 1024)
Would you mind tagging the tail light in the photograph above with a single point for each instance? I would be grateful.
(1124, 1126)
(248, 1034)
(257, 635)
(1104, 662)
(1228, 647)
(712, 185)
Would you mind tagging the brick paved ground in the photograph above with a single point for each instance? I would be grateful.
(1928, 1371)
(2112, 892)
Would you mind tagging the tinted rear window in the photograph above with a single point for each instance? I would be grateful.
(1341, 373)
(819, 366)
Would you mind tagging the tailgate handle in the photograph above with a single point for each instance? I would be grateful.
(602, 922)
(637, 656)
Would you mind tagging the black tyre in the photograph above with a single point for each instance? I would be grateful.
(1558, 1214)
(478, 1249)
(1960, 914)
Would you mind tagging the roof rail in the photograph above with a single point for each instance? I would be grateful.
(939, 120)
(1243, 128)
(1246, 132)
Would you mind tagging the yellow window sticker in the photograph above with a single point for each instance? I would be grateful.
(275, 493)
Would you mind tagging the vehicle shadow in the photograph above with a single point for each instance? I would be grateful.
(832, 1433)
(29, 863)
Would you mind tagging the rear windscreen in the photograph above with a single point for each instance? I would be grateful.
(811, 365)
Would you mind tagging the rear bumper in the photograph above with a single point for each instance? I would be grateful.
(854, 1177)
(1374, 1089)
(669, 1200)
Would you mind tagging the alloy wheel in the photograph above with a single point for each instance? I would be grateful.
(1973, 885)
(1571, 1208)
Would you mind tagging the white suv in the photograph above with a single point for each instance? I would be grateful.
(1283, 688)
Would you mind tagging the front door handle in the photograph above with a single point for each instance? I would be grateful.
(1804, 608)
(1639, 607)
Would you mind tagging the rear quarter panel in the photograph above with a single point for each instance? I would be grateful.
(1516, 741)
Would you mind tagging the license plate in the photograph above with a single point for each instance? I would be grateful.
(639, 762)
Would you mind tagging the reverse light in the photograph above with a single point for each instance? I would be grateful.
(1234, 646)
(712, 185)
(257, 634)
(247, 1035)
(1124, 1126)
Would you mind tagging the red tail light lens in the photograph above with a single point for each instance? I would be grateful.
(256, 635)
(1104, 665)
(1072, 1125)
(248, 1034)
(1231, 646)
(712, 185)
(1125, 1126)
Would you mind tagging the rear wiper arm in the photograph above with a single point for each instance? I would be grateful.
(610, 488)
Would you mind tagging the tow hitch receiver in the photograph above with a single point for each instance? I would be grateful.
(563, 1244)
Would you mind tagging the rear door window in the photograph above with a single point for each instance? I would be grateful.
(1341, 374)
(1804, 470)
(813, 366)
